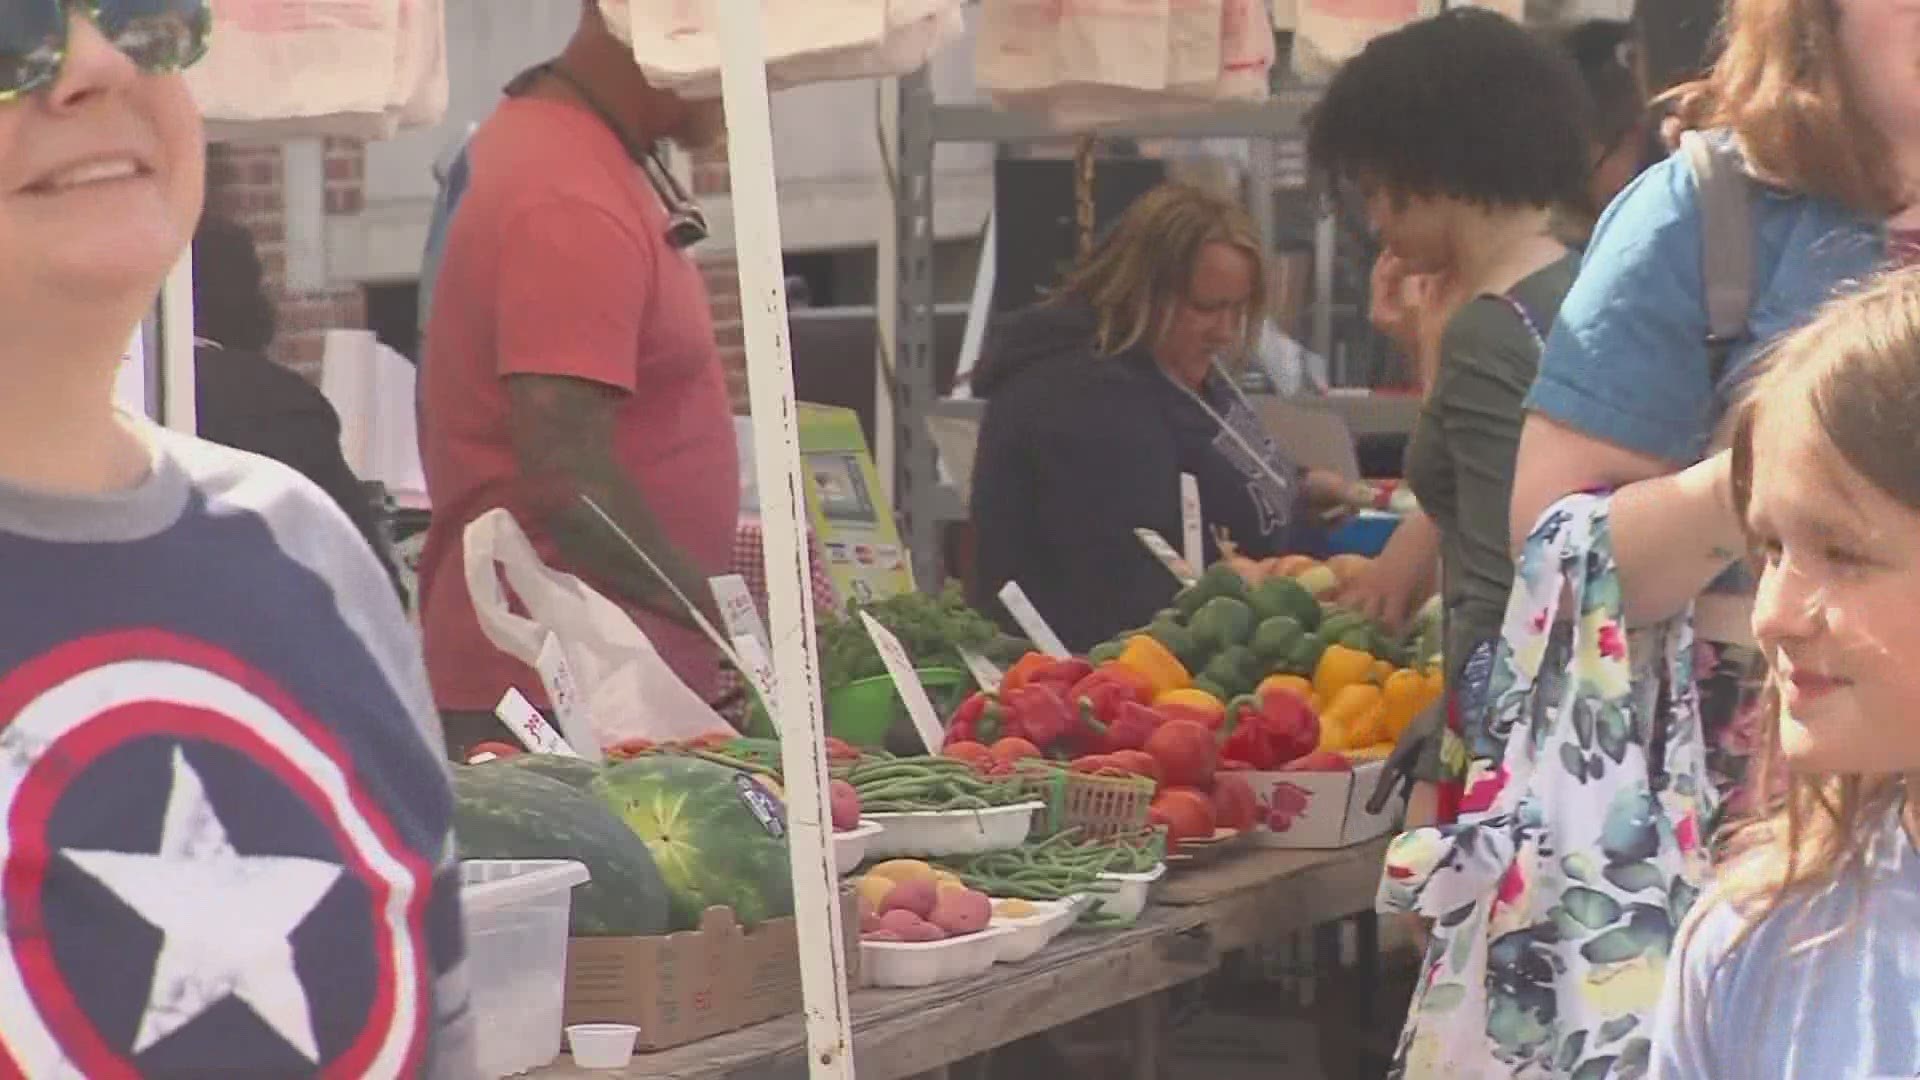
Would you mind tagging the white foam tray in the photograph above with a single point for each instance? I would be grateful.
(1130, 896)
(850, 847)
(906, 964)
(1029, 934)
(952, 832)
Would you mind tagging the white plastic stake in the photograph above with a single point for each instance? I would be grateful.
(906, 679)
(1195, 544)
(737, 611)
(985, 674)
(527, 725)
(1158, 547)
(757, 666)
(569, 708)
(776, 446)
(1031, 623)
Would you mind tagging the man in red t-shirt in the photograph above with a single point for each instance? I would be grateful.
(570, 350)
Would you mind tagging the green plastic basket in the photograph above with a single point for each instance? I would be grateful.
(863, 712)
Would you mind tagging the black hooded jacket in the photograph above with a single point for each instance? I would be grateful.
(1077, 451)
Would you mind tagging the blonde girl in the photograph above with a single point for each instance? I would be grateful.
(1801, 962)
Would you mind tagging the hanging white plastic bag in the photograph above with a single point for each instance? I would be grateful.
(626, 689)
(676, 43)
(905, 48)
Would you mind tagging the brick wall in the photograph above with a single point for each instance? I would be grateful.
(244, 182)
(723, 280)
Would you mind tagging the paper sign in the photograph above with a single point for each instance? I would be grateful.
(1035, 627)
(1195, 545)
(912, 693)
(984, 673)
(563, 691)
(1157, 546)
(738, 611)
(757, 666)
(529, 726)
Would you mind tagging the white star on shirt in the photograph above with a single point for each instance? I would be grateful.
(226, 918)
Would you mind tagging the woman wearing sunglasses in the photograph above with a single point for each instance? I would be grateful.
(226, 841)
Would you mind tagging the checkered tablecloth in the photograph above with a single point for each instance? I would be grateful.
(749, 561)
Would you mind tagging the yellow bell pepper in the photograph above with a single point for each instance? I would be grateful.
(1196, 700)
(1436, 685)
(1380, 672)
(1354, 717)
(1340, 667)
(1155, 663)
(1291, 684)
(1405, 694)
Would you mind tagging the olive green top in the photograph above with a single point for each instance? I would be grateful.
(1460, 458)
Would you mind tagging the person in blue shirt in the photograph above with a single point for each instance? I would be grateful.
(1799, 963)
(1823, 100)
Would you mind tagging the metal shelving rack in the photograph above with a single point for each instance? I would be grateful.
(924, 502)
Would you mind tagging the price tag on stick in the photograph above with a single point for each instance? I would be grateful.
(1190, 521)
(529, 726)
(563, 691)
(1158, 547)
(984, 673)
(899, 665)
(738, 611)
(1035, 627)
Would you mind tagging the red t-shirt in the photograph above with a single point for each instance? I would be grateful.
(555, 265)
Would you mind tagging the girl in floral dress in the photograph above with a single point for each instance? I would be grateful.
(1799, 964)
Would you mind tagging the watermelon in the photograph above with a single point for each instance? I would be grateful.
(571, 771)
(711, 835)
(505, 812)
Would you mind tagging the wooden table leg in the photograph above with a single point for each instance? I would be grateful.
(1149, 1046)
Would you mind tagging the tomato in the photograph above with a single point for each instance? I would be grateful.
(1014, 750)
(1137, 762)
(497, 749)
(1234, 804)
(1188, 812)
(1186, 752)
(972, 753)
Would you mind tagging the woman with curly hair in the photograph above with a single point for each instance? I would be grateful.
(1463, 133)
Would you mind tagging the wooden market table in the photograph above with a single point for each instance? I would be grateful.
(1249, 897)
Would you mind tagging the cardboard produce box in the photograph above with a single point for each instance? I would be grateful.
(684, 987)
(1321, 809)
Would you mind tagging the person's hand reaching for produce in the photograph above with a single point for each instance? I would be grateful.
(1400, 579)
(1332, 496)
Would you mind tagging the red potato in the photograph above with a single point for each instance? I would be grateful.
(869, 918)
(962, 911)
(845, 804)
(916, 897)
(910, 927)
(925, 931)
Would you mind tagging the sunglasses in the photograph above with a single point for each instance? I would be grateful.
(159, 36)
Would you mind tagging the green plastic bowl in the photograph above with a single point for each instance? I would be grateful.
(863, 712)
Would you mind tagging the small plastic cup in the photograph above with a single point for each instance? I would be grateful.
(602, 1046)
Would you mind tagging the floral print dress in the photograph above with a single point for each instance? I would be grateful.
(1578, 848)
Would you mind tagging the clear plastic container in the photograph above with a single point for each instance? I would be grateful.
(517, 912)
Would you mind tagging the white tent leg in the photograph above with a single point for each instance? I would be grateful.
(776, 441)
(886, 290)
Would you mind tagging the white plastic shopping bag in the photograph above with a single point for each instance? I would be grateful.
(1328, 33)
(627, 691)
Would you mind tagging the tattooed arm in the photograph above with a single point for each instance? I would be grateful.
(1673, 531)
(563, 440)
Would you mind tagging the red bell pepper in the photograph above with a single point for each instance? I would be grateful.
(1133, 726)
(1024, 670)
(1040, 714)
(1270, 730)
(1099, 700)
(978, 719)
(1210, 721)
(1064, 675)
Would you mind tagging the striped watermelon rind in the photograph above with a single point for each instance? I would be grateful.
(710, 846)
(506, 812)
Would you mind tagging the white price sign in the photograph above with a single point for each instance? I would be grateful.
(1196, 548)
(899, 665)
(1158, 547)
(757, 666)
(529, 726)
(984, 673)
(1035, 627)
(563, 691)
(737, 610)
